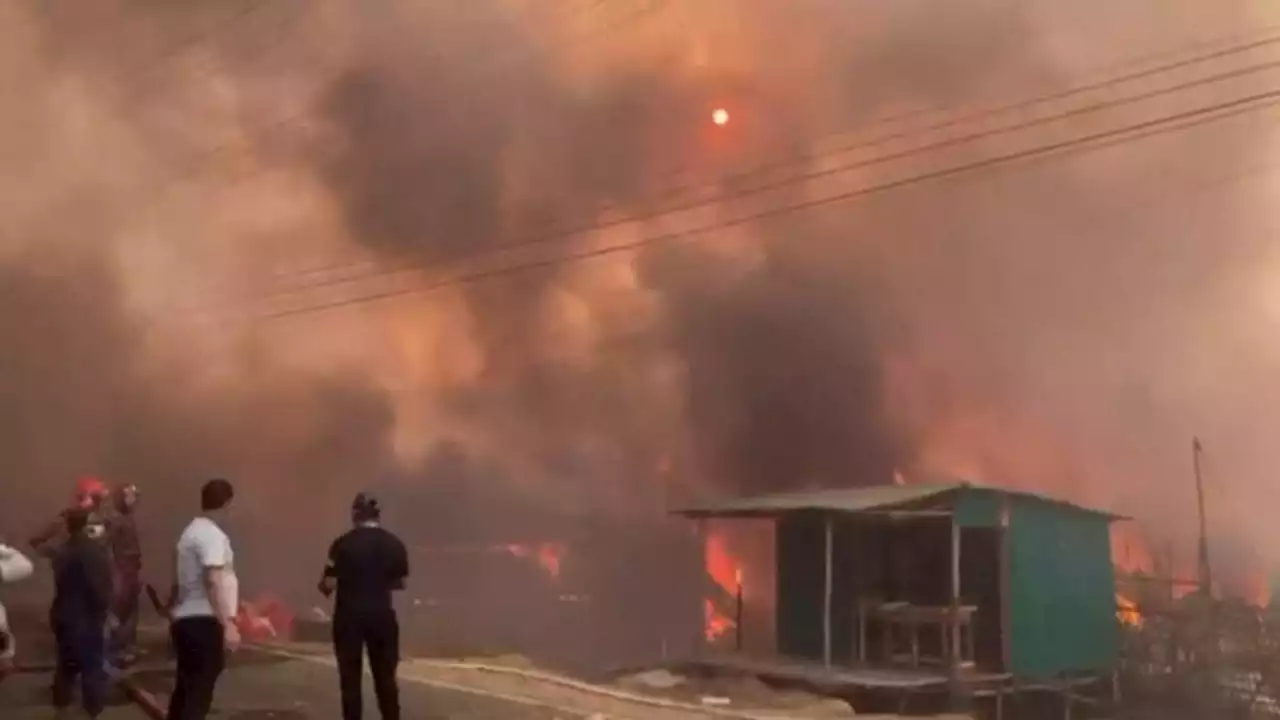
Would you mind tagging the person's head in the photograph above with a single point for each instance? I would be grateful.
(126, 497)
(365, 509)
(77, 522)
(216, 495)
(90, 492)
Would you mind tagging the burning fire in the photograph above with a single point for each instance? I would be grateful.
(726, 571)
(1127, 611)
(548, 555)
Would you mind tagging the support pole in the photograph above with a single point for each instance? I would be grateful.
(955, 595)
(826, 594)
(704, 589)
(737, 614)
(1205, 574)
(961, 702)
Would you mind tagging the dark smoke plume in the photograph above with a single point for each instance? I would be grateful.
(1064, 326)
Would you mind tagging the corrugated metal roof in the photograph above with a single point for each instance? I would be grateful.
(862, 499)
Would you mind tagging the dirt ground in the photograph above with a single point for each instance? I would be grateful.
(297, 681)
(26, 697)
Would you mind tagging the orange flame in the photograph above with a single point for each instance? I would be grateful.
(716, 624)
(726, 571)
(548, 555)
(1127, 611)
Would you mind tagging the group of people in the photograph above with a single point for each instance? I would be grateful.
(97, 562)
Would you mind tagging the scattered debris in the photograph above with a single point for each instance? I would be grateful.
(659, 679)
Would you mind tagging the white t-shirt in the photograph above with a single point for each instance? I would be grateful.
(14, 566)
(204, 545)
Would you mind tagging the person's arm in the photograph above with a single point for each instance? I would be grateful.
(329, 578)
(399, 565)
(14, 566)
(42, 542)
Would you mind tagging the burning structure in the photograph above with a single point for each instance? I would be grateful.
(999, 584)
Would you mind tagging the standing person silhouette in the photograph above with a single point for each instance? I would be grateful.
(367, 564)
(81, 602)
(207, 595)
(126, 556)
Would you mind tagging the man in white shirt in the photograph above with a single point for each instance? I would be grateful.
(205, 603)
(14, 567)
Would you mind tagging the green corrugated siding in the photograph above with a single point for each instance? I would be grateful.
(1062, 591)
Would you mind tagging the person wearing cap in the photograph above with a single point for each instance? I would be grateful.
(126, 557)
(81, 603)
(367, 564)
(90, 497)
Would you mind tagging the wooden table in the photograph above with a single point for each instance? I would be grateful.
(955, 628)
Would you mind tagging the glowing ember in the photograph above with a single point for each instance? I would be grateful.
(720, 116)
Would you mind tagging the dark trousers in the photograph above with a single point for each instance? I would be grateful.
(198, 647)
(81, 647)
(378, 632)
(124, 640)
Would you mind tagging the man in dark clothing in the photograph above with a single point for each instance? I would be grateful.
(82, 600)
(126, 556)
(366, 565)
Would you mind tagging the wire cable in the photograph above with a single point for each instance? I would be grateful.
(1173, 122)
(799, 161)
(1269, 36)
(803, 178)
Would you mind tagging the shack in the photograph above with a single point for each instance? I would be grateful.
(939, 580)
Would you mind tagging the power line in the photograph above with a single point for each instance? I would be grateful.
(1267, 36)
(1118, 136)
(998, 109)
(803, 159)
(802, 178)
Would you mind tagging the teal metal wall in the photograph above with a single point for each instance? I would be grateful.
(1062, 590)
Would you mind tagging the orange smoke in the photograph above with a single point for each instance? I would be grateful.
(725, 570)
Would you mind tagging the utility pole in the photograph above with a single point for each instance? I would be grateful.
(1205, 575)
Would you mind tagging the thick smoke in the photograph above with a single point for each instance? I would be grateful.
(1064, 326)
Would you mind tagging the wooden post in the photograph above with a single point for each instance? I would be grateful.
(737, 614)
(826, 593)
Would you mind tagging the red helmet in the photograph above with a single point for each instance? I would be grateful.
(90, 488)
